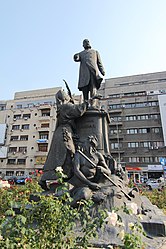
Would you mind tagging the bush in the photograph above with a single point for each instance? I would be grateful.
(157, 197)
(49, 223)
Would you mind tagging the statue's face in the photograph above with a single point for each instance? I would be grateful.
(67, 98)
(86, 43)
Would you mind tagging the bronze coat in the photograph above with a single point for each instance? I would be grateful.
(90, 65)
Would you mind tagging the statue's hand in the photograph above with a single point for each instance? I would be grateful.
(94, 186)
(102, 170)
(76, 57)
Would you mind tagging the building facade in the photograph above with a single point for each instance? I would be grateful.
(137, 109)
(27, 124)
(137, 131)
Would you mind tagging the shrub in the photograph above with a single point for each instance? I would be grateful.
(157, 197)
(48, 223)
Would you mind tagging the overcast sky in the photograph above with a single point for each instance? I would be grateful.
(38, 39)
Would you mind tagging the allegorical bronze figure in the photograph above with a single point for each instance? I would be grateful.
(62, 146)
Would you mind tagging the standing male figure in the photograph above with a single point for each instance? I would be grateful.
(90, 65)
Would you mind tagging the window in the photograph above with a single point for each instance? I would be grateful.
(130, 118)
(24, 137)
(134, 159)
(132, 145)
(114, 146)
(156, 130)
(21, 161)
(12, 149)
(15, 127)
(144, 130)
(9, 173)
(116, 118)
(45, 112)
(25, 127)
(140, 93)
(44, 125)
(130, 105)
(17, 116)
(2, 107)
(132, 131)
(114, 96)
(154, 116)
(145, 144)
(14, 138)
(115, 131)
(30, 105)
(147, 159)
(19, 106)
(142, 117)
(129, 94)
(26, 116)
(11, 161)
(157, 145)
(156, 159)
(153, 103)
(141, 104)
(43, 135)
(115, 106)
(43, 147)
(22, 149)
(19, 173)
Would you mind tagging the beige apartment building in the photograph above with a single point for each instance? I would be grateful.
(137, 132)
(27, 124)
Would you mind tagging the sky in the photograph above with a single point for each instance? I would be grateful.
(38, 39)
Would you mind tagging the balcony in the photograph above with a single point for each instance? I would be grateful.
(119, 110)
(116, 150)
(41, 141)
(41, 153)
(44, 106)
(44, 118)
(43, 129)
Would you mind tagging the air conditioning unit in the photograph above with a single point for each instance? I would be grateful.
(14, 119)
(21, 129)
(24, 152)
(14, 152)
(11, 130)
(25, 118)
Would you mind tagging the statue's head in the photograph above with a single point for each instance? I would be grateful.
(62, 97)
(86, 44)
(93, 140)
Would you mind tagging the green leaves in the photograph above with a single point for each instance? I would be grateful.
(48, 223)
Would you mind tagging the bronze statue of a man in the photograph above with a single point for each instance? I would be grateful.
(90, 65)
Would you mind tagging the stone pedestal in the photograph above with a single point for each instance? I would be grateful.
(95, 122)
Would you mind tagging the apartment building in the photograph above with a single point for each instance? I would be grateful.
(137, 132)
(27, 124)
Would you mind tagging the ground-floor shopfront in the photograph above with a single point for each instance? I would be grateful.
(141, 174)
